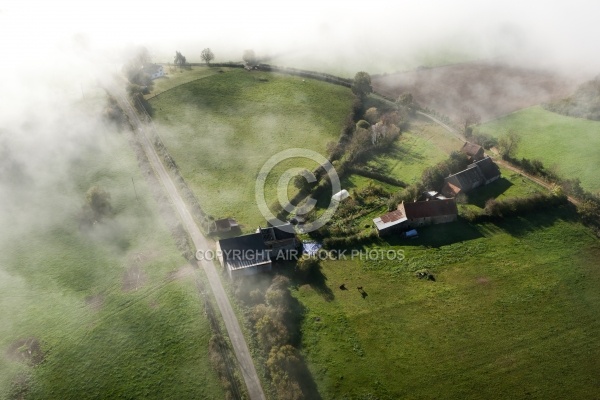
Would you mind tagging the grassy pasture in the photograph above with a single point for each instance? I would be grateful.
(222, 129)
(513, 314)
(179, 76)
(569, 145)
(111, 320)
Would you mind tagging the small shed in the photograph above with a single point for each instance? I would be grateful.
(341, 195)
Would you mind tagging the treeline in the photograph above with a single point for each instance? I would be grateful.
(498, 209)
(276, 317)
(584, 103)
(589, 203)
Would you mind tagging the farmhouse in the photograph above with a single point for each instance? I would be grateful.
(473, 151)
(244, 255)
(415, 214)
(154, 70)
(477, 174)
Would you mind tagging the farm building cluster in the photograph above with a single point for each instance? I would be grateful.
(255, 252)
(439, 208)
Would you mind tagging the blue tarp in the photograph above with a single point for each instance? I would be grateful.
(411, 234)
(311, 248)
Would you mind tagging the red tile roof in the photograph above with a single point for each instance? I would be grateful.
(392, 216)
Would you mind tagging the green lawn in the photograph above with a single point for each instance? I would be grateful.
(569, 145)
(513, 313)
(222, 129)
(110, 320)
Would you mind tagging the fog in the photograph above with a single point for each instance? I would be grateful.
(54, 53)
(376, 36)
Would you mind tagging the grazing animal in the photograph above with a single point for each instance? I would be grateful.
(343, 286)
(359, 287)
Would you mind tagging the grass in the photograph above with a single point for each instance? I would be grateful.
(509, 185)
(513, 313)
(222, 129)
(180, 76)
(570, 146)
(67, 289)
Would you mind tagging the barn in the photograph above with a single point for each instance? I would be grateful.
(421, 213)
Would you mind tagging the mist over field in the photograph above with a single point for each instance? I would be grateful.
(54, 143)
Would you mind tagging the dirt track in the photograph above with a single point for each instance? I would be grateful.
(232, 325)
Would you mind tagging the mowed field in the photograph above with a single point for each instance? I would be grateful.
(106, 312)
(222, 129)
(570, 146)
(513, 313)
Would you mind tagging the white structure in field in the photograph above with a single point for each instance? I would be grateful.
(341, 195)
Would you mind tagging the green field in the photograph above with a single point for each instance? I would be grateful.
(114, 309)
(570, 146)
(222, 129)
(179, 76)
(513, 313)
(423, 145)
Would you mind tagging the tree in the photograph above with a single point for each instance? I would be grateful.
(301, 180)
(362, 84)
(284, 364)
(307, 268)
(98, 200)
(372, 115)
(179, 59)
(134, 67)
(469, 117)
(507, 143)
(207, 56)
(405, 99)
(250, 58)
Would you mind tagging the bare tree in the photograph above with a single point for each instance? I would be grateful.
(207, 56)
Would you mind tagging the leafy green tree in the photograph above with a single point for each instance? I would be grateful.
(361, 86)
(207, 56)
(508, 143)
(284, 363)
(301, 181)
